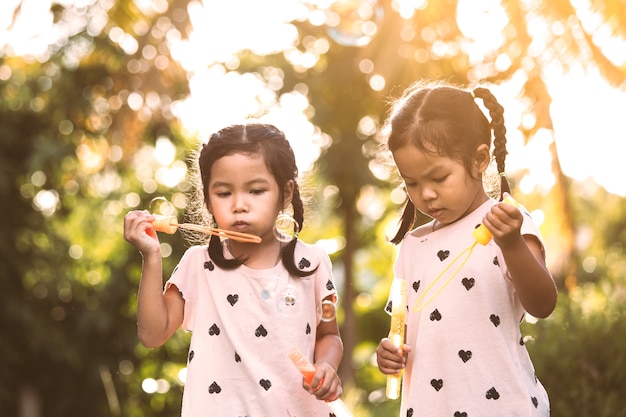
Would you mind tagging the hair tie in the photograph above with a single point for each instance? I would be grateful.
(295, 235)
(473, 94)
(502, 174)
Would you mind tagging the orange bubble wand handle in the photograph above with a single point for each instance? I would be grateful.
(396, 332)
(307, 370)
(169, 225)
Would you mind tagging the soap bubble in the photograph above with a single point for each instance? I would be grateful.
(328, 310)
(287, 300)
(160, 206)
(285, 227)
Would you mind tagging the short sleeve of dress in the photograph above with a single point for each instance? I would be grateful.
(529, 227)
(399, 273)
(308, 257)
(186, 277)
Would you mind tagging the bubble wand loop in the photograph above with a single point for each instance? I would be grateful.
(169, 225)
(396, 332)
(307, 370)
(481, 235)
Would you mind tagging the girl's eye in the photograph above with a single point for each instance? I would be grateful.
(257, 191)
(440, 179)
(222, 194)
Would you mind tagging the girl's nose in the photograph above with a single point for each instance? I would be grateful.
(240, 204)
(428, 193)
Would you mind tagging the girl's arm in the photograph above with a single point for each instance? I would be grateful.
(158, 314)
(326, 384)
(525, 260)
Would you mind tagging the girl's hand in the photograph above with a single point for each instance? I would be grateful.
(325, 384)
(504, 221)
(391, 359)
(139, 232)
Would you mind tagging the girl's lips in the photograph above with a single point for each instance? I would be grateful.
(435, 213)
(240, 226)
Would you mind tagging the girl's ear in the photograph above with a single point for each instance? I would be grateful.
(481, 158)
(288, 193)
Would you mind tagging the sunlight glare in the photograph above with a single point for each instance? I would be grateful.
(223, 28)
(483, 22)
(589, 126)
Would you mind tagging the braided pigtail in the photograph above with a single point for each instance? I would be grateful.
(496, 111)
(288, 252)
(406, 222)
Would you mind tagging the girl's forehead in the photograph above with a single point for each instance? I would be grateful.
(239, 166)
(412, 161)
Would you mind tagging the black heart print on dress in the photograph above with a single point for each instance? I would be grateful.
(265, 383)
(329, 285)
(214, 388)
(389, 307)
(260, 331)
(437, 384)
(308, 329)
(304, 263)
(465, 355)
(468, 283)
(435, 315)
(214, 330)
(495, 320)
(492, 394)
(232, 299)
(460, 414)
(535, 401)
(237, 357)
(209, 265)
(443, 254)
(191, 355)
(416, 285)
(409, 412)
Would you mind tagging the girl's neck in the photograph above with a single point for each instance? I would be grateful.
(257, 256)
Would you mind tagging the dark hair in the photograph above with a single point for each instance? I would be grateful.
(444, 120)
(270, 143)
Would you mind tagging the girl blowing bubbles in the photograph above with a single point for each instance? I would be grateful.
(247, 304)
(464, 354)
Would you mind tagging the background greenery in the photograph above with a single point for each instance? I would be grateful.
(68, 344)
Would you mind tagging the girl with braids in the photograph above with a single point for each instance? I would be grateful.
(463, 353)
(247, 304)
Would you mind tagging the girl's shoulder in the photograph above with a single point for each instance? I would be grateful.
(422, 230)
(194, 252)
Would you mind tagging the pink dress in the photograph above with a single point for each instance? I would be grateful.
(469, 357)
(244, 322)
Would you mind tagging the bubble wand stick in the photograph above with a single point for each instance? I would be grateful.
(307, 370)
(396, 332)
(169, 225)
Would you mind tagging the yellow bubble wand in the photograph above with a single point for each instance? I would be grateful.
(396, 332)
(481, 235)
